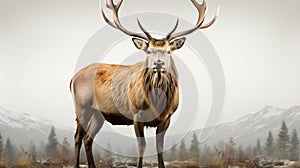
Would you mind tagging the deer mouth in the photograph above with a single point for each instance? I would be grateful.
(159, 67)
(159, 70)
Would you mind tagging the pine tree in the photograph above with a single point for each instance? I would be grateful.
(172, 154)
(194, 148)
(1, 147)
(294, 149)
(32, 151)
(249, 153)
(258, 148)
(52, 146)
(182, 151)
(9, 151)
(206, 153)
(283, 141)
(269, 146)
(174, 151)
(241, 157)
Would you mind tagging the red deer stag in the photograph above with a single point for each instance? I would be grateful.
(143, 94)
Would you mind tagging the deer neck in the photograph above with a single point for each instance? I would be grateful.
(163, 81)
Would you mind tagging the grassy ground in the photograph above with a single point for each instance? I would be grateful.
(213, 163)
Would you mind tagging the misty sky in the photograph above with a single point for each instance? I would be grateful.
(40, 41)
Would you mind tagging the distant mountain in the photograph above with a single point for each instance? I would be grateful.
(247, 129)
(21, 128)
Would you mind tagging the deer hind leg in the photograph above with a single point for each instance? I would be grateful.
(80, 133)
(139, 132)
(95, 124)
(160, 134)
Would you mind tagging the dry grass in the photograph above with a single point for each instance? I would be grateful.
(185, 164)
(23, 162)
(297, 165)
(216, 162)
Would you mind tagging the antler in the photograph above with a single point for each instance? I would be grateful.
(202, 10)
(117, 24)
(173, 30)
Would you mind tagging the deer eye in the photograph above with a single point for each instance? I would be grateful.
(169, 52)
(148, 52)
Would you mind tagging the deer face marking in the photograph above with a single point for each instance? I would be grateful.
(159, 52)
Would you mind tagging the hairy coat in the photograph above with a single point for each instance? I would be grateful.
(118, 92)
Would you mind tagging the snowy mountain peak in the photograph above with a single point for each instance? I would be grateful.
(22, 128)
(16, 120)
(268, 108)
(269, 111)
(266, 112)
(295, 109)
(24, 120)
(249, 128)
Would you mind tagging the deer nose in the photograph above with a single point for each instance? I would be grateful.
(158, 64)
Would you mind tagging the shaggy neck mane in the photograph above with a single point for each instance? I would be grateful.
(165, 81)
(154, 80)
(159, 88)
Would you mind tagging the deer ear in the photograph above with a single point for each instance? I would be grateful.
(177, 43)
(140, 44)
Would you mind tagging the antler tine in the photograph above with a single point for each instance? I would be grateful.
(212, 21)
(107, 4)
(143, 29)
(116, 22)
(112, 5)
(173, 30)
(119, 4)
(201, 12)
(106, 20)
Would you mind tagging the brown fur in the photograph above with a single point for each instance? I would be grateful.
(158, 43)
(112, 88)
(120, 94)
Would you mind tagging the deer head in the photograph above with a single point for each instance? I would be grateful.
(158, 51)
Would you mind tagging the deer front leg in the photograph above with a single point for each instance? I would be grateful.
(139, 132)
(160, 134)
